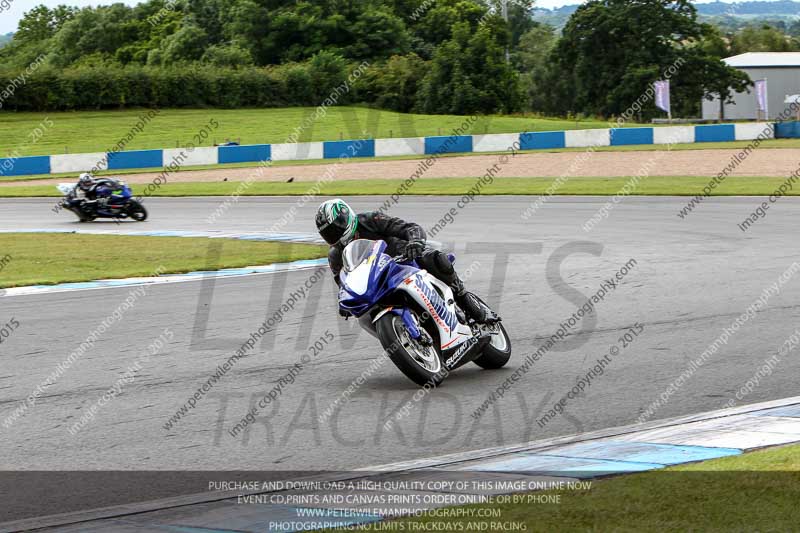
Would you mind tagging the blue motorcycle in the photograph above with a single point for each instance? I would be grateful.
(119, 203)
(414, 315)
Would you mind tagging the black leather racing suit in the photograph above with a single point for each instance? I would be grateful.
(397, 233)
(108, 183)
(92, 196)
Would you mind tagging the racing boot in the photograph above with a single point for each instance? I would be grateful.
(471, 305)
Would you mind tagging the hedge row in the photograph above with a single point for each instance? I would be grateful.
(189, 86)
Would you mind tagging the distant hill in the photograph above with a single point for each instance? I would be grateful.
(5, 39)
(782, 8)
(556, 17)
(710, 12)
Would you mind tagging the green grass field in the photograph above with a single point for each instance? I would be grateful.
(757, 491)
(47, 258)
(655, 186)
(96, 131)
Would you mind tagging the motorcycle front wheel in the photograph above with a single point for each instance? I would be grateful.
(137, 211)
(421, 364)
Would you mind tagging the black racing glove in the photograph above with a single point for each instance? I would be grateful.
(414, 249)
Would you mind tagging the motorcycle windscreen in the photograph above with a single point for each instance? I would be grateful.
(65, 188)
(356, 253)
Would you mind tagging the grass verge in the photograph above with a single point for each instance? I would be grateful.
(757, 491)
(651, 186)
(97, 131)
(49, 258)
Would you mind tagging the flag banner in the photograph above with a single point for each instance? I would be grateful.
(662, 95)
(761, 95)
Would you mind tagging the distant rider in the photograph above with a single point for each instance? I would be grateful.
(96, 190)
(339, 225)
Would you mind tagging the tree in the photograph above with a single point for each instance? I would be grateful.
(469, 74)
(328, 70)
(376, 33)
(42, 22)
(438, 22)
(520, 20)
(531, 57)
(245, 26)
(187, 44)
(762, 39)
(394, 84)
(230, 55)
(210, 16)
(446, 55)
(612, 51)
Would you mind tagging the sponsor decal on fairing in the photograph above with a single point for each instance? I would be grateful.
(436, 305)
(450, 363)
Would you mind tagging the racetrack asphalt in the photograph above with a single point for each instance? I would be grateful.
(692, 278)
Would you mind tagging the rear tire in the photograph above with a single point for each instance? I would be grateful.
(497, 353)
(494, 355)
(422, 365)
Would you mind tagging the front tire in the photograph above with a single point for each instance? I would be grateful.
(421, 364)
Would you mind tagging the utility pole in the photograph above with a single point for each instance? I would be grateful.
(504, 10)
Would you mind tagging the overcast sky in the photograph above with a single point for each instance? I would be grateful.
(10, 17)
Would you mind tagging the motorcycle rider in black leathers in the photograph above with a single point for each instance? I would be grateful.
(339, 225)
(89, 185)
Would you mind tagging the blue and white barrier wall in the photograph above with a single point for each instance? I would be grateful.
(539, 140)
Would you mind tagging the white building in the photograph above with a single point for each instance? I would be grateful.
(780, 69)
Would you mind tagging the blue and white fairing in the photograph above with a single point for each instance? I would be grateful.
(369, 276)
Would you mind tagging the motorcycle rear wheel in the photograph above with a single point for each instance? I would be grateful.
(497, 353)
(421, 364)
(84, 216)
(137, 211)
